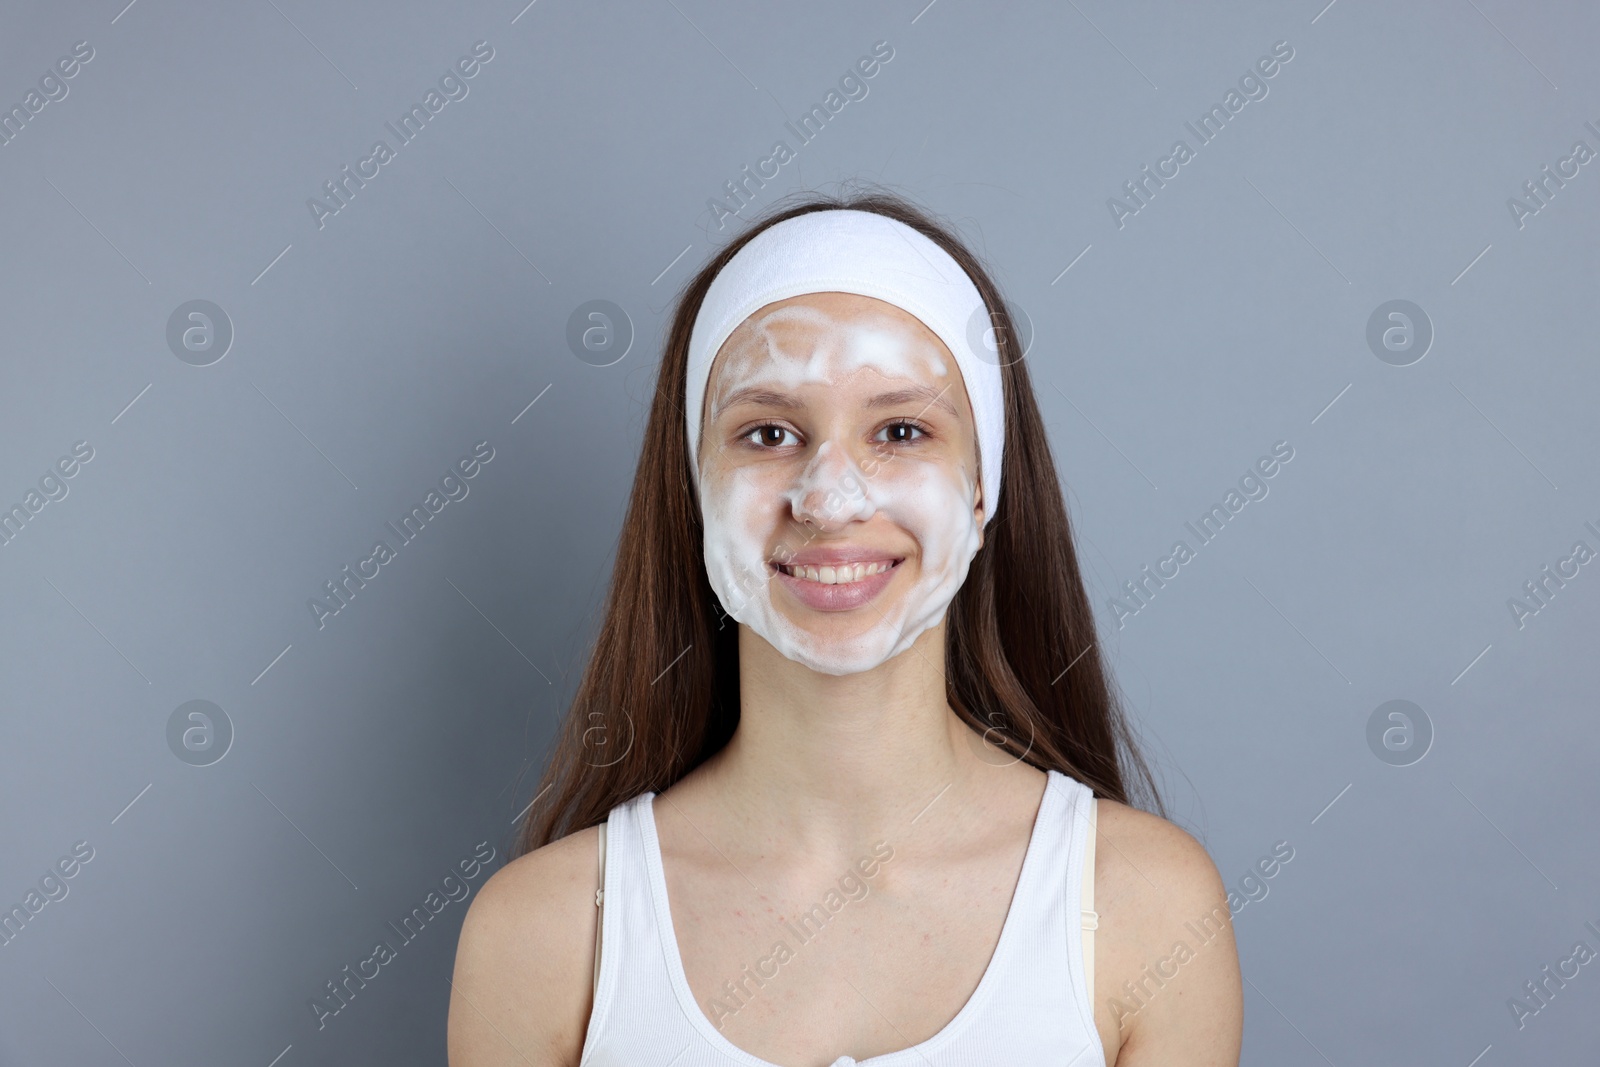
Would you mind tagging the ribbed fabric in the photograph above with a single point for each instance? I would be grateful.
(1030, 1008)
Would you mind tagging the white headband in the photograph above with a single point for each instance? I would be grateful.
(848, 251)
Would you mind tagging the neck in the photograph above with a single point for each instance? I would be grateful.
(827, 762)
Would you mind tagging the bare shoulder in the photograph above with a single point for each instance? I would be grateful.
(1134, 847)
(1167, 984)
(522, 985)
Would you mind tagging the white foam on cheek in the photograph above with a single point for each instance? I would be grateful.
(934, 505)
(738, 512)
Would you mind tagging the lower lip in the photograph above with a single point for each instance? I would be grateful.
(840, 597)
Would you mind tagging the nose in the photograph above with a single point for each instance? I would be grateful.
(831, 491)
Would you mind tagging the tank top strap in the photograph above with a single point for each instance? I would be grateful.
(1043, 977)
(632, 966)
(1076, 837)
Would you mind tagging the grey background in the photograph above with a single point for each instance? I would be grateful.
(372, 754)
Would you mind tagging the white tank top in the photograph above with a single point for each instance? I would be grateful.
(1032, 1005)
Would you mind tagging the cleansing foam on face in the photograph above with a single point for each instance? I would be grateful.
(763, 520)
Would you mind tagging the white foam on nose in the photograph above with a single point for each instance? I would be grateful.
(832, 490)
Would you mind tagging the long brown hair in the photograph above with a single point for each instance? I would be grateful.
(661, 690)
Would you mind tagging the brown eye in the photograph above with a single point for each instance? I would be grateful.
(900, 433)
(772, 436)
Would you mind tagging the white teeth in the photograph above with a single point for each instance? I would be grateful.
(836, 575)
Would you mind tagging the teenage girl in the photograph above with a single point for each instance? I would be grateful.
(844, 782)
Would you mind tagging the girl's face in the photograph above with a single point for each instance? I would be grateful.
(838, 479)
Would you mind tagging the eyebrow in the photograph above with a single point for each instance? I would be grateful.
(905, 396)
(758, 395)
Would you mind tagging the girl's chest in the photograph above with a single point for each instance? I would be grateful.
(870, 967)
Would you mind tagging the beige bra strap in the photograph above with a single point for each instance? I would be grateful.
(600, 911)
(1091, 918)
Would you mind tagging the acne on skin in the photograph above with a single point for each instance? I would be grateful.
(747, 509)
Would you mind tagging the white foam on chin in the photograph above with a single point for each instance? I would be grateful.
(930, 500)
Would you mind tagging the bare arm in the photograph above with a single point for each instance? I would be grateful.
(1167, 988)
(521, 992)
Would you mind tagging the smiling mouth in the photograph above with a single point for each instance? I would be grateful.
(837, 574)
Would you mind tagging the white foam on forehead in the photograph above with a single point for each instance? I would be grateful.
(798, 344)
